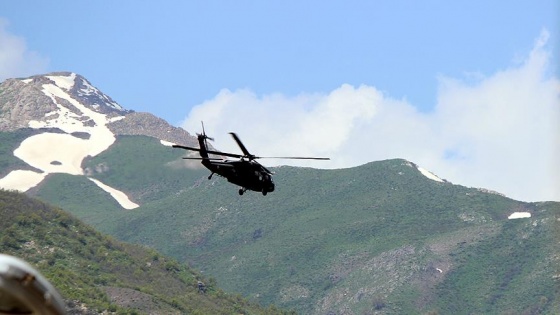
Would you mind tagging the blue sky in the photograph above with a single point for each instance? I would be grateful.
(279, 66)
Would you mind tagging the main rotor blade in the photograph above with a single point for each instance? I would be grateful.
(186, 148)
(292, 158)
(241, 146)
(200, 158)
(207, 151)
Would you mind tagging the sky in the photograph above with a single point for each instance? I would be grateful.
(467, 89)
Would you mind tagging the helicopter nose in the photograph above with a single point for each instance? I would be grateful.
(271, 187)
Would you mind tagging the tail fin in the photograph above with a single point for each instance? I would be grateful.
(202, 142)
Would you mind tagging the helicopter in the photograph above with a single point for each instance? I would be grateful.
(245, 172)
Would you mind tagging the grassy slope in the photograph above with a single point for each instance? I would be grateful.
(84, 265)
(87, 201)
(9, 141)
(290, 247)
(325, 239)
(144, 168)
(139, 166)
(510, 272)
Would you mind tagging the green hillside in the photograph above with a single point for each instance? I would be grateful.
(81, 195)
(94, 273)
(144, 168)
(380, 237)
(9, 141)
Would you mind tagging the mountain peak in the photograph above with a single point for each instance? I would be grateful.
(23, 100)
(81, 89)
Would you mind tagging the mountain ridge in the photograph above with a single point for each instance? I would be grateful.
(28, 103)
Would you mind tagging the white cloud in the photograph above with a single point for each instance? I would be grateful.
(15, 59)
(501, 132)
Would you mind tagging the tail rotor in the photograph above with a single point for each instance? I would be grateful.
(204, 136)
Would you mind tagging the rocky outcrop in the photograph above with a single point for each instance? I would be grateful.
(20, 103)
(23, 100)
(146, 124)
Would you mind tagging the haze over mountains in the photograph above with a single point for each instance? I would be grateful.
(387, 237)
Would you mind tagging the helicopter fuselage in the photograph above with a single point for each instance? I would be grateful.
(246, 174)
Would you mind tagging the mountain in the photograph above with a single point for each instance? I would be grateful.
(59, 119)
(381, 238)
(68, 102)
(387, 237)
(97, 274)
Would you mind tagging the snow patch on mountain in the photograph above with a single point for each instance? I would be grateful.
(86, 90)
(429, 174)
(68, 121)
(119, 196)
(519, 215)
(113, 119)
(424, 172)
(41, 150)
(166, 143)
(22, 180)
(53, 152)
(65, 82)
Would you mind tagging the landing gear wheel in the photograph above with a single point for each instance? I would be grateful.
(241, 191)
(264, 192)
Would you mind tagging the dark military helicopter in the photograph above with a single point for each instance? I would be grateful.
(245, 172)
